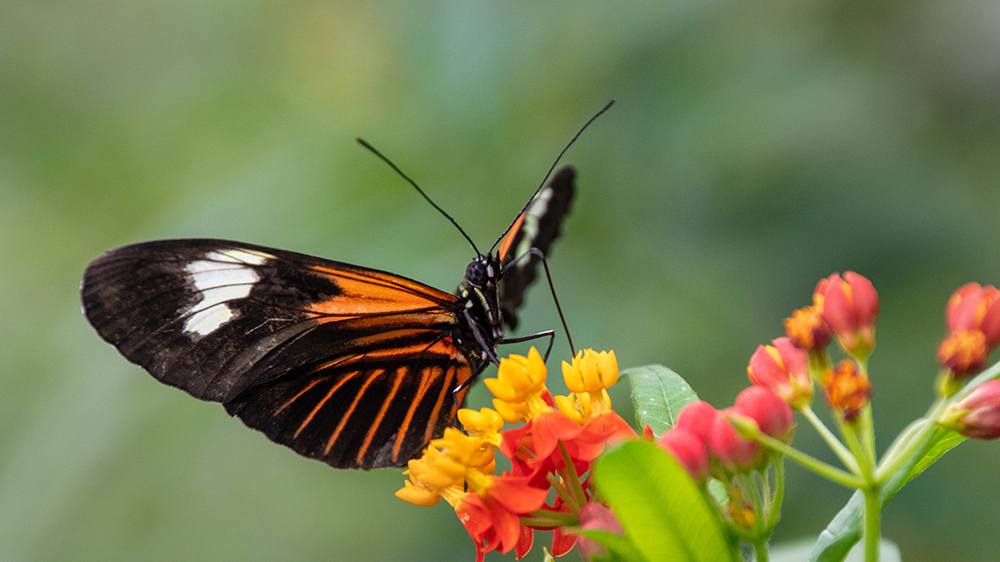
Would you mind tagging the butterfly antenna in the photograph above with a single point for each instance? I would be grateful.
(554, 164)
(421, 191)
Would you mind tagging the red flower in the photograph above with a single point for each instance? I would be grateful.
(492, 516)
(977, 416)
(534, 450)
(784, 369)
(688, 449)
(850, 307)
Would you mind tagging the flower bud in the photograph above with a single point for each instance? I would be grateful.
(736, 453)
(850, 307)
(976, 416)
(847, 390)
(596, 517)
(973, 318)
(773, 415)
(698, 417)
(783, 369)
(688, 450)
(972, 307)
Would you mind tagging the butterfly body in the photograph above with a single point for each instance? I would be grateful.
(353, 366)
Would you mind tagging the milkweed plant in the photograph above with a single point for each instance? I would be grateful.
(698, 483)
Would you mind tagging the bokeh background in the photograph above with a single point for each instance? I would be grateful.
(755, 147)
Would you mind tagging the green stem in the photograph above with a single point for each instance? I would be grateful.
(760, 550)
(779, 495)
(819, 467)
(573, 483)
(549, 518)
(843, 454)
(873, 523)
(748, 484)
(868, 439)
(910, 445)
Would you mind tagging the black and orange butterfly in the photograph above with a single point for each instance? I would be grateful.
(356, 367)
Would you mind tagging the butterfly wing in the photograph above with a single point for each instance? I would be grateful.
(537, 227)
(349, 365)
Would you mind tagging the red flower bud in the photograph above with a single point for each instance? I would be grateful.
(972, 307)
(977, 415)
(688, 449)
(973, 318)
(850, 307)
(847, 389)
(698, 418)
(734, 452)
(784, 369)
(773, 415)
(596, 517)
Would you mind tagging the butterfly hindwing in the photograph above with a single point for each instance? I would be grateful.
(537, 227)
(254, 327)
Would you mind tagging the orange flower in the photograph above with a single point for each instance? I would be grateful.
(806, 327)
(847, 390)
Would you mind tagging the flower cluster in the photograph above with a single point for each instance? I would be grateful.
(552, 451)
(742, 447)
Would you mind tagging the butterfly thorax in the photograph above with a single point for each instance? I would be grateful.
(477, 294)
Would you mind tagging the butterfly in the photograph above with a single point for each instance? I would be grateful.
(356, 367)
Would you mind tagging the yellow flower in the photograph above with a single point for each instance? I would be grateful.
(589, 377)
(519, 387)
(484, 424)
(591, 371)
(445, 466)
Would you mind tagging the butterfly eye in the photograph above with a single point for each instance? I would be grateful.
(477, 273)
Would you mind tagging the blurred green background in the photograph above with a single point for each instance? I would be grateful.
(755, 147)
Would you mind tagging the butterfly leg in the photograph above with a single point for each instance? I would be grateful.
(487, 350)
(551, 334)
(468, 382)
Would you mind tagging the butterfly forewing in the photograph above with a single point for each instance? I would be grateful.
(537, 227)
(349, 365)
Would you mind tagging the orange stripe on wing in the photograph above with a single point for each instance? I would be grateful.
(338, 362)
(427, 376)
(299, 394)
(445, 389)
(354, 404)
(322, 402)
(400, 374)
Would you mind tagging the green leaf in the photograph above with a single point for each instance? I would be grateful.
(620, 549)
(658, 395)
(663, 511)
(799, 550)
(844, 531)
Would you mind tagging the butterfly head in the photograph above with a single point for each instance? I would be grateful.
(483, 272)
